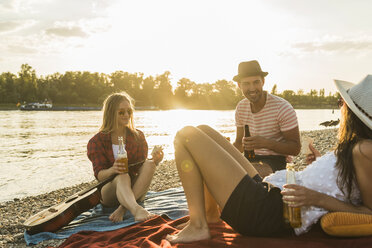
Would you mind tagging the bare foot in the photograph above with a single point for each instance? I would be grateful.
(142, 214)
(189, 234)
(183, 225)
(118, 214)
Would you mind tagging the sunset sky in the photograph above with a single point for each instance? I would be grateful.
(302, 44)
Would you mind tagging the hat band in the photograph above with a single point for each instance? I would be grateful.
(361, 110)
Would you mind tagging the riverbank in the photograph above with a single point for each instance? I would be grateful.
(74, 107)
(14, 213)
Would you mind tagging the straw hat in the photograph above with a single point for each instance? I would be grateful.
(358, 97)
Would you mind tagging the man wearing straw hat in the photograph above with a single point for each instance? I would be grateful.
(272, 121)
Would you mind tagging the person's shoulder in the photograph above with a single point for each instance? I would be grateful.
(98, 137)
(137, 134)
(140, 132)
(363, 150)
(278, 99)
(243, 103)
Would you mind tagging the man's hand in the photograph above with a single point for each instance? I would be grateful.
(254, 142)
(313, 155)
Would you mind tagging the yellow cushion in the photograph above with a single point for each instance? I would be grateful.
(347, 224)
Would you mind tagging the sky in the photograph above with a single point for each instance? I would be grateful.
(302, 44)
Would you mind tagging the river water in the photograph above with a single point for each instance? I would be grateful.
(46, 150)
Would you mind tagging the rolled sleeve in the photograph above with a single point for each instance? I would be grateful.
(96, 155)
(137, 149)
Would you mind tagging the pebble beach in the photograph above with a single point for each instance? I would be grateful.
(14, 213)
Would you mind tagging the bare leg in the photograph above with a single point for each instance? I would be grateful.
(228, 147)
(200, 158)
(119, 190)
(140, 188)
(212, 210)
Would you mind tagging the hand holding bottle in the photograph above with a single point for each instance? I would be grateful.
(119, 167)
(121, 163)
(291, 214)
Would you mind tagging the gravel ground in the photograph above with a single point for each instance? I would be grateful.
(14, 213)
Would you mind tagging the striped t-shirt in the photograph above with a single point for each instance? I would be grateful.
(274, 118)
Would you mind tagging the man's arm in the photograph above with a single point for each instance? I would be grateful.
(291, 145)
(238, 140)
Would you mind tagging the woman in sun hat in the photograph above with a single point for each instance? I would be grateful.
(337, 181)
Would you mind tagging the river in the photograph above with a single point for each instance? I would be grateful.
(41, 151)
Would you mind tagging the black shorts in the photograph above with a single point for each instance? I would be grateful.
(255, 209)
(276, 162)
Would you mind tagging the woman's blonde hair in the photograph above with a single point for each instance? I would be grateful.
(110, 110)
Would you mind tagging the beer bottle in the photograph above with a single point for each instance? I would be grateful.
(248, 154)
(291, 215)
(122, 155)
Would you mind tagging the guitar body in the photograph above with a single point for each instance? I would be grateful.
(54, 218)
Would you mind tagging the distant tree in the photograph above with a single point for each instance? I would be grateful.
(321, 92)
(8, 90)
(164, 93)
(148, 91)
(26, 84)
(226, 93)
(274, 90)
(183, 91)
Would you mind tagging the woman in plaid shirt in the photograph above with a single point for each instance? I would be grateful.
(125, 188)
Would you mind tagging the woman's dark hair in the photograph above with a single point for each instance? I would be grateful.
(351, 131)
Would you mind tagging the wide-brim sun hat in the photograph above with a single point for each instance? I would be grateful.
(358, 98)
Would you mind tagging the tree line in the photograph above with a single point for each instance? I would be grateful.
(91, 88)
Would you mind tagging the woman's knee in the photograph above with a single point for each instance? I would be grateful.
(204, 127)
(184, 134)
(120, 178)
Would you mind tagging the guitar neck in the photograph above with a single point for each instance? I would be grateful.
(98, 185)
(101, 184)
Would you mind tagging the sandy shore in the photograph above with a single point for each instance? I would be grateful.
(14, 213)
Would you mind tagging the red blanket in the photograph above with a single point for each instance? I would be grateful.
(151, 233)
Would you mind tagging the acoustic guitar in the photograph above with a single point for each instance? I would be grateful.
(59, 215)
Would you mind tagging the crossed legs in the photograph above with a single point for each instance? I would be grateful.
(203, 156)
(119, 190)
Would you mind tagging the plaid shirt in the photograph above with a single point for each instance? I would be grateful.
(101, 154)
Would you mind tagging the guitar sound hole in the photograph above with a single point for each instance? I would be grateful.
(53, 210)
(71, 199)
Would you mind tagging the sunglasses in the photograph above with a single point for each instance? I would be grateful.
(340, 102)
(128, 111)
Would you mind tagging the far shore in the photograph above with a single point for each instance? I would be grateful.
(14, 213)
(4, 107)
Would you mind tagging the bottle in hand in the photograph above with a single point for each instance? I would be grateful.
(248, 154)
(122, 155)
(291, 215)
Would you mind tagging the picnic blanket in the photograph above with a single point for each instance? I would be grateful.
(171, 202)
(151, 234)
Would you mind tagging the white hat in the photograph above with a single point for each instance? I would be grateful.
(358, 97)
